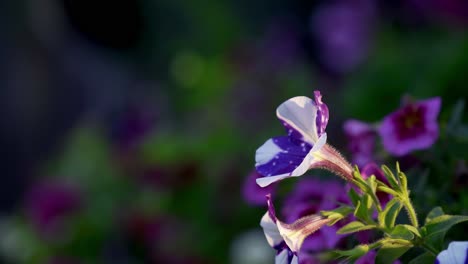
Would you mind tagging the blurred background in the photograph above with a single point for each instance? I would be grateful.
(129, 127)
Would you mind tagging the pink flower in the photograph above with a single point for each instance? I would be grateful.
(254, 194)
(361, 137)
(49, 203)
(412, 127)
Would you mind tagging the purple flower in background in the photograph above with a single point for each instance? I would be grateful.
(456, 253)
(343, 31)
(412, 127)
(48, 203)
(254, 194)
(287, 239)
(361, 137)
(310, 197)
(305, 145)
(131, 126)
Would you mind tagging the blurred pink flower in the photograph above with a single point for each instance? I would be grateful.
(361, 141)
(49, 203)
(412, 127)
(310, 196)
(254, 194)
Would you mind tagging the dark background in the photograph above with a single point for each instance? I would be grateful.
(158, 106)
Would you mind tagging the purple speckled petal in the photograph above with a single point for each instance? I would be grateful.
(281, 157)
(322, 113)
(412, 127)
(299, 115)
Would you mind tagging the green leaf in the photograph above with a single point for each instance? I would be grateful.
(337, 214)
(400, 231)
(423, 259)
(388, 216)
(443, 223)
(413, 230)
(360, 211)
(403, 180)
(388, 190)
(354, 196)
(353, 254)
(371, 181)
(435, 212)
(353, 227)
(436, 228)
(390, 177)
(388, 253)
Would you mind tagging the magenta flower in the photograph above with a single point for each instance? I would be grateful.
(361, 137)
(310, 197)
(254, 194)
(48, 203)
(287, 239)
(343, 32)
(412, 127)
(305, 145)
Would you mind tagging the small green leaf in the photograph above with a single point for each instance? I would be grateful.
(388, 253)
(354, 253)
(360, 211)
(388, 190)
(402, 232)
(371, 181)
(353, 227)
(388, 216)
(435, 212)
(443, 223)
(413, 230)
(423, 259)
(337, 214)
(390, 177)
(354, 196)
(367, 201)
(403, 180)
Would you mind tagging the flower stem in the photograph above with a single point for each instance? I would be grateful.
(429, 249)
(411, 213)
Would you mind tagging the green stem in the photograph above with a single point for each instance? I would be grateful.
(429, 249)
(411, 213)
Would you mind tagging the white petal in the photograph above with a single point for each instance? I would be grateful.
(457, 250)
(271, 231)
(320, 143)
(265, 181)
(300, 113)
(266, 152)
(282, 257)
(294, 260)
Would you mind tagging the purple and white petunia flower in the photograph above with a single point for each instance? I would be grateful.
(305, 145)
(456, 253)
(287, 239)
(412, 127)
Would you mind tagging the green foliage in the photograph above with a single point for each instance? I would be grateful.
(354, 227)
(398, 238)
